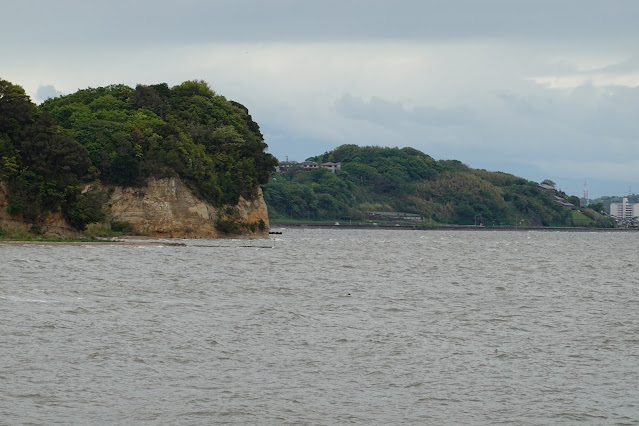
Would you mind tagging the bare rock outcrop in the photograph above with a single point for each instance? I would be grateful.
(162, 208)
(167, 208)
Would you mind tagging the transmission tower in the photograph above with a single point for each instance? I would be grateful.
(585, 201)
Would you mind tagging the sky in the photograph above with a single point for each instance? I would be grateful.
(538, 88)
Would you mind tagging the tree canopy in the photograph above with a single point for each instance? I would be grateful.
(407, 180)
(157, 131)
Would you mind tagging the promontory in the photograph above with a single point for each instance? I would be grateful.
(152, 160)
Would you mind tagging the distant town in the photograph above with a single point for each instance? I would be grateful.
(626, 214)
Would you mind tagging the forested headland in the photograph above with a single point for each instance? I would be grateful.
(50, 154)
(118, 135)
(381, 182)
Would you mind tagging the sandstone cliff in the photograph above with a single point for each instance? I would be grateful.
(163, 208)
(167, 208)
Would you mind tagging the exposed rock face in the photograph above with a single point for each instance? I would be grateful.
(162, 208)
(167, 208)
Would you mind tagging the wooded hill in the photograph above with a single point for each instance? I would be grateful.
(122, 135)
(376, 179)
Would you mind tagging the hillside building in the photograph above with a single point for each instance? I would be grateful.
(305, 166)
(554, 194)
(333, 167)
(294, 166)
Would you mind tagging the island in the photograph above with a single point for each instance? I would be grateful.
(154, 160)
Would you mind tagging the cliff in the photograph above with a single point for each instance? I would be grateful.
(162, 208)
(167, 208)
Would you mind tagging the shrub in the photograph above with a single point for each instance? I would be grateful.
(227, 226)
(36, 230)
(122, 226)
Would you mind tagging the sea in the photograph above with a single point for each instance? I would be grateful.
(324, 327)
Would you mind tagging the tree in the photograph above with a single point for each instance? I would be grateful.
(82, 209)
(574, 200)
(124, 170)
(51, 153)
(548, 182)
(16, 108)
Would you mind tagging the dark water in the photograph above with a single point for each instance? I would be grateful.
(328, 327)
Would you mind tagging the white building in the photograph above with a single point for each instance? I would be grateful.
(333, 167)
(624, 210)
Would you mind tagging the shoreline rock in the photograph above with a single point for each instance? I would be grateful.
(162, 208)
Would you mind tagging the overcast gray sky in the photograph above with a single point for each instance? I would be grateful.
(541, 89)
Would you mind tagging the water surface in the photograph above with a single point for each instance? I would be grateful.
(327, 327)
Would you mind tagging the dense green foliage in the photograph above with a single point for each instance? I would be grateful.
(40, 161)
(407, 180)
(120, 135)
(157, 131)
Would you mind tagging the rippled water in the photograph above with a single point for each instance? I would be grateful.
(328, 327)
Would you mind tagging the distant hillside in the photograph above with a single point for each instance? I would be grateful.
(378, 181)
(118, 135)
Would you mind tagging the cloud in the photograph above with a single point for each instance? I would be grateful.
(497, 84)
(388, 113)
(599, 71)
(572, 81)
(519, 104)
(45, 92)
(165, 21)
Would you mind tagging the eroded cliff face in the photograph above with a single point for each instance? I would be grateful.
(163, 208)
(167, 208)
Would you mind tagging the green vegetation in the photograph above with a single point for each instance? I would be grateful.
(50, 156)
(157, 131)
(118, 135)
(15, 233)
(112, 228)
(375, 179)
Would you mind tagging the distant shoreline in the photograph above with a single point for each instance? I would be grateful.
(126, 241)
(450, 227)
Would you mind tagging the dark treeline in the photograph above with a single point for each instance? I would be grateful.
(121, 135)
